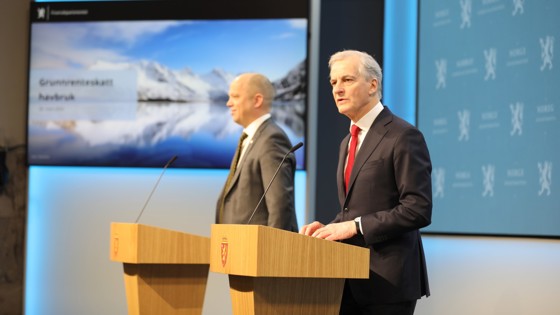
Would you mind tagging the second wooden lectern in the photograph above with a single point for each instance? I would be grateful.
(272, 271)
(165, 271)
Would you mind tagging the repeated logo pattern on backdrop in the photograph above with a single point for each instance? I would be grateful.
(488, 102)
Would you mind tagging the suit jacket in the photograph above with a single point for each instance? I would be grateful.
(390, 188)
(253, 174)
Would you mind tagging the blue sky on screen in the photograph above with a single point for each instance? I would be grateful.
(268, 46)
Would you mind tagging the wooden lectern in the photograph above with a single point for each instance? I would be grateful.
(272, 271)
(165, 271)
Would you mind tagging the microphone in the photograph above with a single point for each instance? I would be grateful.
(293, 149)
(155, 186)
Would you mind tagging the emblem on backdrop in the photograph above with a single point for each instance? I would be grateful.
(439, 182)
(490, 58)
(516, 110)
(441, 73)
(547, 52)
(518, 7)
(488, 179)
(464, 124)
(545, 177)
(466, 13)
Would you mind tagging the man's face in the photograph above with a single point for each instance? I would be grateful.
(241, 102)
(352, 93)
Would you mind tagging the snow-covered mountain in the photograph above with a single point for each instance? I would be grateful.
(157, 82)
(293, 86)
(165, 97)
(289, 104)
(220, 80)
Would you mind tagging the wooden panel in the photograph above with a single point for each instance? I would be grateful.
(294, 296)
(165, 289)
(143, 244)
(261, 251)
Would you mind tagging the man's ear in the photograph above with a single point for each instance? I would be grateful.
(259, 99)
(373, 87)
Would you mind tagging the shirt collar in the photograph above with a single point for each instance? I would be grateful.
(252, 128)
(365, 122)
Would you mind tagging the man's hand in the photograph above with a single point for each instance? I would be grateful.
(330, 232)
(310, 228)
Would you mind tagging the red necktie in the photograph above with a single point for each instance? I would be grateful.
(354, 131)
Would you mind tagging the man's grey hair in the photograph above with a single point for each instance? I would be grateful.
(368, 67)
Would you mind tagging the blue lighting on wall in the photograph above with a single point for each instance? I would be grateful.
(67, 205)
(399, 57)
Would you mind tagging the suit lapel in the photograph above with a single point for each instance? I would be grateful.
(246, 153)
(340, 169)
(375, 135)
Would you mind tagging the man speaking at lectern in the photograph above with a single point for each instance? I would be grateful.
(384, 188)
(262, 147)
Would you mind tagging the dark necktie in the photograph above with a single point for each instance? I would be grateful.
(354, 131)
(232, 169)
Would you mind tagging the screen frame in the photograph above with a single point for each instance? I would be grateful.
(135, 10)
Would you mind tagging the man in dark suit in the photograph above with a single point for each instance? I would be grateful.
(384, 191)
(260, 154)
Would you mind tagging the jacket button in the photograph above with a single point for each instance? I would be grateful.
(345, 209)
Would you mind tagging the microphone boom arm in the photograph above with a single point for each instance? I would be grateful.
(293, 149)
(155, 186)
